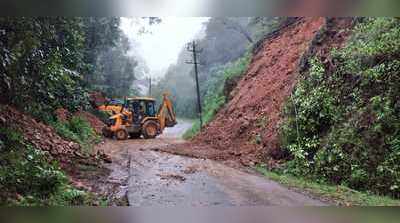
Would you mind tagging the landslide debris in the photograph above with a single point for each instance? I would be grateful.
(86, 171)
(245, 131)
(94, 122)
(44, 137)
(64, 115)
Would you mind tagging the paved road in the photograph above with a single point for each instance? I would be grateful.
(177, 131)
(162, 179)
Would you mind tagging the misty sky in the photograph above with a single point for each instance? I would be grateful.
(161, 47)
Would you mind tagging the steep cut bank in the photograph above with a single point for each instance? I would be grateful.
(246, 129)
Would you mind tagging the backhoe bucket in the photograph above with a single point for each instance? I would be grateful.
(170, 123)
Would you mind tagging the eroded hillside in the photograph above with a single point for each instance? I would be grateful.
(246, 129)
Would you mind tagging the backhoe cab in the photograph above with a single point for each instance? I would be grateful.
(139, 117)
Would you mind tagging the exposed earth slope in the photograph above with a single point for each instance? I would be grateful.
(246, 129)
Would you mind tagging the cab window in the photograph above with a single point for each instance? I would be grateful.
(150, 109)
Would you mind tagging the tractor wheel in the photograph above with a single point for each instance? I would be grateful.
(121, 134)
(135, 135)
(107, 133)
(150, 129)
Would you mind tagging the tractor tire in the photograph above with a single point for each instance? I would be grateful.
(150, 129)
(107, 133)
(135, 135)
(121, 134)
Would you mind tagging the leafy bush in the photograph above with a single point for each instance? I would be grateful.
(27, 177)
(343, 126)
(50, 62)
(41, 60)
(78, 130)
(215, 97)
(102, 115)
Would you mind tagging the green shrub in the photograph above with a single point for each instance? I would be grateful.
(28, 177)
(78, 130)
(215, 98)
(343, 126)
(102, 115)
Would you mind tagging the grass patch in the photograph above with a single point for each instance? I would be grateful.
(339, 195)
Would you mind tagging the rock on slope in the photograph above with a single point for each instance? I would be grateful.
(246, 129)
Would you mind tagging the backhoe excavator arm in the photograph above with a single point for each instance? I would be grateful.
(166, 114)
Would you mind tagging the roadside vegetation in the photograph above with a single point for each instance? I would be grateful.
(78, 129)
(217, 94)
(342, 123)
(49, 64)
(29, 177)
(333, 194)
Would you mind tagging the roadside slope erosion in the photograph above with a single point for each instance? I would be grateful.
(245, 131)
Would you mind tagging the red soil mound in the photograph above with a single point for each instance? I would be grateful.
(246, 129)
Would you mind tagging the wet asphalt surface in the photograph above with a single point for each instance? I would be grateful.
(158, 179)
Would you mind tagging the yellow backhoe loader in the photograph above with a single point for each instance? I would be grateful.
(139, 117)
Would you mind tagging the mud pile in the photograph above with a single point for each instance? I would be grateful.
(94, 122)
(246, 129)
(44, 137)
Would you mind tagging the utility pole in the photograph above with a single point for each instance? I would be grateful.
(191, 47)
(150, 86)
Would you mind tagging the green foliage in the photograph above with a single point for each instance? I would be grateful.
(102, 115)
(344, 126)
(78, 130)
(333, 194)
(40, 60)
(27, 177)
(259, 26)
(114, 70)
(179, 82)
(215, 97)
(48, 63)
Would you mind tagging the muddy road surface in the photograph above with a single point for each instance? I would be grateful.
(151, 178)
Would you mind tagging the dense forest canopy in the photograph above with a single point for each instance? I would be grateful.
(53, 62)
